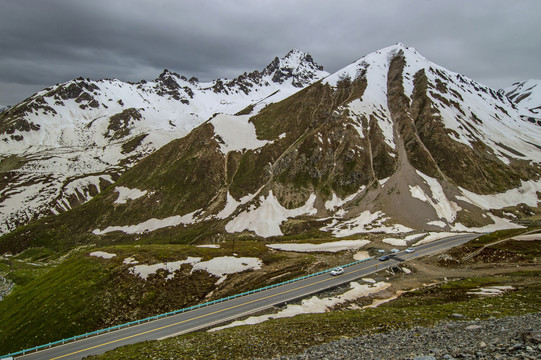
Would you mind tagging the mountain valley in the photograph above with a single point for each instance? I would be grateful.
(121, 200)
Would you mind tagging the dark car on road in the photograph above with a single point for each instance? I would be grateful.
(383, 258)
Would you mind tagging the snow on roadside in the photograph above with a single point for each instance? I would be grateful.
(266, 219)
(404, 241)
(149, 225)
(210, 246)
(102, 254)
(125, 194)
(395, 242)
(313, 305)
(332, 246)
(433, 236)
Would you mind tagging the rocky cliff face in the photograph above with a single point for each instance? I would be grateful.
(391, 143)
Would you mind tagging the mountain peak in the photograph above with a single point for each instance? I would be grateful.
(296, 64)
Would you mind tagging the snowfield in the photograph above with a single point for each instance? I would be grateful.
(125, 194)
(366, 222)
(265, 219)
(333, 246)
(218, 266)
(149, 225)
(236, 133)
(74, 138)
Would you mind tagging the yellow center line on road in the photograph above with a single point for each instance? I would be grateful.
(218, 311)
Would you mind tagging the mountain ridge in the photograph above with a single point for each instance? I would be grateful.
(66, 143)
(343, 156)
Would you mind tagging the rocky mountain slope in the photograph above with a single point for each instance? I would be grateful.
(391, 143)
(66, 143)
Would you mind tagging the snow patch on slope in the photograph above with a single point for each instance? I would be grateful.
(149, 225)
(265, 219)
(236, 133)
(218, 266)
(333, 246)
(125, 194)
(499, 224)
(366, 222)
(225, 265)
(313, 305)
(525, 194)
(231, 205)
(102, 254)
(144, 271)
(445, 209)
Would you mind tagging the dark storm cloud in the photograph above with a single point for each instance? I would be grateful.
(44, 42)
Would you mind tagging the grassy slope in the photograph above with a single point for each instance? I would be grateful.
(53, 305)
(84, 293)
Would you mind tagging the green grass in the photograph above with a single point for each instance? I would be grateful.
(65, 298)
(58, 304)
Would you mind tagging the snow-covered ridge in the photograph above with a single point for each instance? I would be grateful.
(77, 136)
(527, 95)
(471, 111)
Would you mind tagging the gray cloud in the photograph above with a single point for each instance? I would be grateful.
(46, 42)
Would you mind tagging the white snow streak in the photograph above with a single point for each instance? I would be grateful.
(333, 246)
(149, 225)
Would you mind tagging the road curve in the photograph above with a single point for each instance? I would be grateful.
(232, 309)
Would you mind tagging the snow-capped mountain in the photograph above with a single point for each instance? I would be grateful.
(527, 95)
(66, 143)
(390, 143)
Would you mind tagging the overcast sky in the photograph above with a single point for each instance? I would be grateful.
(44, 42)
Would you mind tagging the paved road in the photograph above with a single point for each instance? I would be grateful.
(228, 310)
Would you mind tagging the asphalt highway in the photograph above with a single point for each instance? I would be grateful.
(223, 312)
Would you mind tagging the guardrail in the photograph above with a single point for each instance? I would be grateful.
(137, 322)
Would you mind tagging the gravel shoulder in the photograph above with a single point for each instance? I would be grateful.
(513, 337)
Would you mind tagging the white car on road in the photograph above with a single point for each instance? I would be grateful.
(337, 271)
